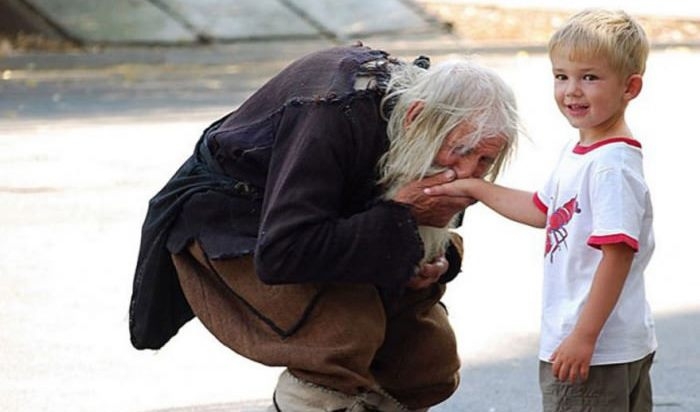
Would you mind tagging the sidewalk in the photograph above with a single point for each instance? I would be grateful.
(83, 152)
(79, 132)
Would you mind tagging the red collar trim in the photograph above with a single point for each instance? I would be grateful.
(579, 149)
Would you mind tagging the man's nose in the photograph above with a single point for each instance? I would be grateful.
(468, 167)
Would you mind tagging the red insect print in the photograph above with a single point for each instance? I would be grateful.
(556, 226)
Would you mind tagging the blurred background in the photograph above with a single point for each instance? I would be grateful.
(101, 101)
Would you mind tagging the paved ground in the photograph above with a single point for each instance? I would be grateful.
(87, 137)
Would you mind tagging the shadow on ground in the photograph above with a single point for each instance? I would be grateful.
(511, 385)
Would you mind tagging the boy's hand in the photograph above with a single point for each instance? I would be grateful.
(433, 211)
(572, 358)
(571, 361)
(459, 188)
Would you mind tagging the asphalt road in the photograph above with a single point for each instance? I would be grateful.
(83, 148)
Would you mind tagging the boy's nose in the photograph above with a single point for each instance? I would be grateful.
(572, 88)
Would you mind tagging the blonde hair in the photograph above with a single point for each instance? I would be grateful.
(450, 93)
(612, 34)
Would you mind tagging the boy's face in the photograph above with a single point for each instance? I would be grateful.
(590, 94)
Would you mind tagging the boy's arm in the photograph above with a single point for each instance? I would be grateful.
(511, 203)
(572, 358)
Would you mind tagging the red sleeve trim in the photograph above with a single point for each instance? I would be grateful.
(579, 149)
(540, 204)
(597, 241)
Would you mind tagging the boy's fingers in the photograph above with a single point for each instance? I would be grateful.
(440, 178)
(555, 367)
(448, 175)
(573, 374)
(563, 373)
(584, 372)
(438, 189)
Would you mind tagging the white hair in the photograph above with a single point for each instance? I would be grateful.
(450, 93)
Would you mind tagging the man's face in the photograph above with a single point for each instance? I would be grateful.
(457, 155)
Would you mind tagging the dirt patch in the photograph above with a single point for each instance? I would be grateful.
(25, 42)
(491, 25)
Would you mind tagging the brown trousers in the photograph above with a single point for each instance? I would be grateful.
(334, 335)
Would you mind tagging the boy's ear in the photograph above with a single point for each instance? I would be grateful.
(413, 111)
(634, 86)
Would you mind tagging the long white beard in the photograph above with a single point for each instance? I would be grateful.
(435, 239)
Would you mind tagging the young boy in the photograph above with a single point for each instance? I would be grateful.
(597, 337)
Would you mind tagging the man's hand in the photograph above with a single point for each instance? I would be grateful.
(428, 273)
(432, 210)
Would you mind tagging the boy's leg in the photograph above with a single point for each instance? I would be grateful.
(640, 393)
(619, 387)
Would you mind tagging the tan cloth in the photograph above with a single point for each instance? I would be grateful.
(295, 395)
(334, 335)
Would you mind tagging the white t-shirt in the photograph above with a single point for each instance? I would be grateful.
(597, 195)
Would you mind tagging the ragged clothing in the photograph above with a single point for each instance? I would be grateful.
(289, 177)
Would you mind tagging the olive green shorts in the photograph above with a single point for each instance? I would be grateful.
(624, 387)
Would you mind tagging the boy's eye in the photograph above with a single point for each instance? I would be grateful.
(560, 77)
(590, 77)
